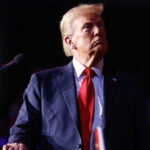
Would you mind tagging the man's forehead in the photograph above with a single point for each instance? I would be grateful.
(88, 18)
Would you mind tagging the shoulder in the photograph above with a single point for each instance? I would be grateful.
(51, 72)
(124, 77)
(47, 76)
(132, 82)
(122, 74)
(129, 77)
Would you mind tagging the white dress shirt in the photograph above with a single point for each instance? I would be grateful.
(98, 81)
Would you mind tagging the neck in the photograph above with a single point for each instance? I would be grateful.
(98, 65)
(92, 61)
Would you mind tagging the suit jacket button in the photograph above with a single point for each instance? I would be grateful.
(79, 146)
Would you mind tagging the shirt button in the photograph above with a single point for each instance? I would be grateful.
(79, 146)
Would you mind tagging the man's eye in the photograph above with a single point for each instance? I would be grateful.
(100, 24)
(87, 27)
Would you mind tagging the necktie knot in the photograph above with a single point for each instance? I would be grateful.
(89, 72)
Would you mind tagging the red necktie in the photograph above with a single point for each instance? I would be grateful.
(86, 107)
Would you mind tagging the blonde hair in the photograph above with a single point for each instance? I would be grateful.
(73, 13)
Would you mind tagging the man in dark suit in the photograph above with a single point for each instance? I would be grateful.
(50, 115)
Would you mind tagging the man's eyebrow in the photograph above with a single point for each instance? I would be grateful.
(100, 20)
(90, 21)
(86, 23)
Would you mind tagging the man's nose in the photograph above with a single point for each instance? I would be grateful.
(97, 31)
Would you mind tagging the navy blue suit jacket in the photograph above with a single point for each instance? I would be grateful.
(49, 115)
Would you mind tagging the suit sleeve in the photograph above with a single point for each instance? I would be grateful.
(142, 142)
(27, 127)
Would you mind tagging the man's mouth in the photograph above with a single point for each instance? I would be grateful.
(98, 42)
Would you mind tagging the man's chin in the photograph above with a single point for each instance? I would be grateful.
(99, 50)
(98, 55)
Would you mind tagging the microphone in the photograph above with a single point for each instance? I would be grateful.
(17, 60)
(99, 143)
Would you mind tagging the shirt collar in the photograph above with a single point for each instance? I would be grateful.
(79, 68)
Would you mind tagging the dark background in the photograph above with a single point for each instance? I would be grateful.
(31, 27)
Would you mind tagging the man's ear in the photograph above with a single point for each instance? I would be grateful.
(68, 41)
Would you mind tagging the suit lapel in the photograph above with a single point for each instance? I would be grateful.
(67, 85)
(68, 88)
(110, 88)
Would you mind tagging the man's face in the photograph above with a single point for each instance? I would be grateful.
(89, 35)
